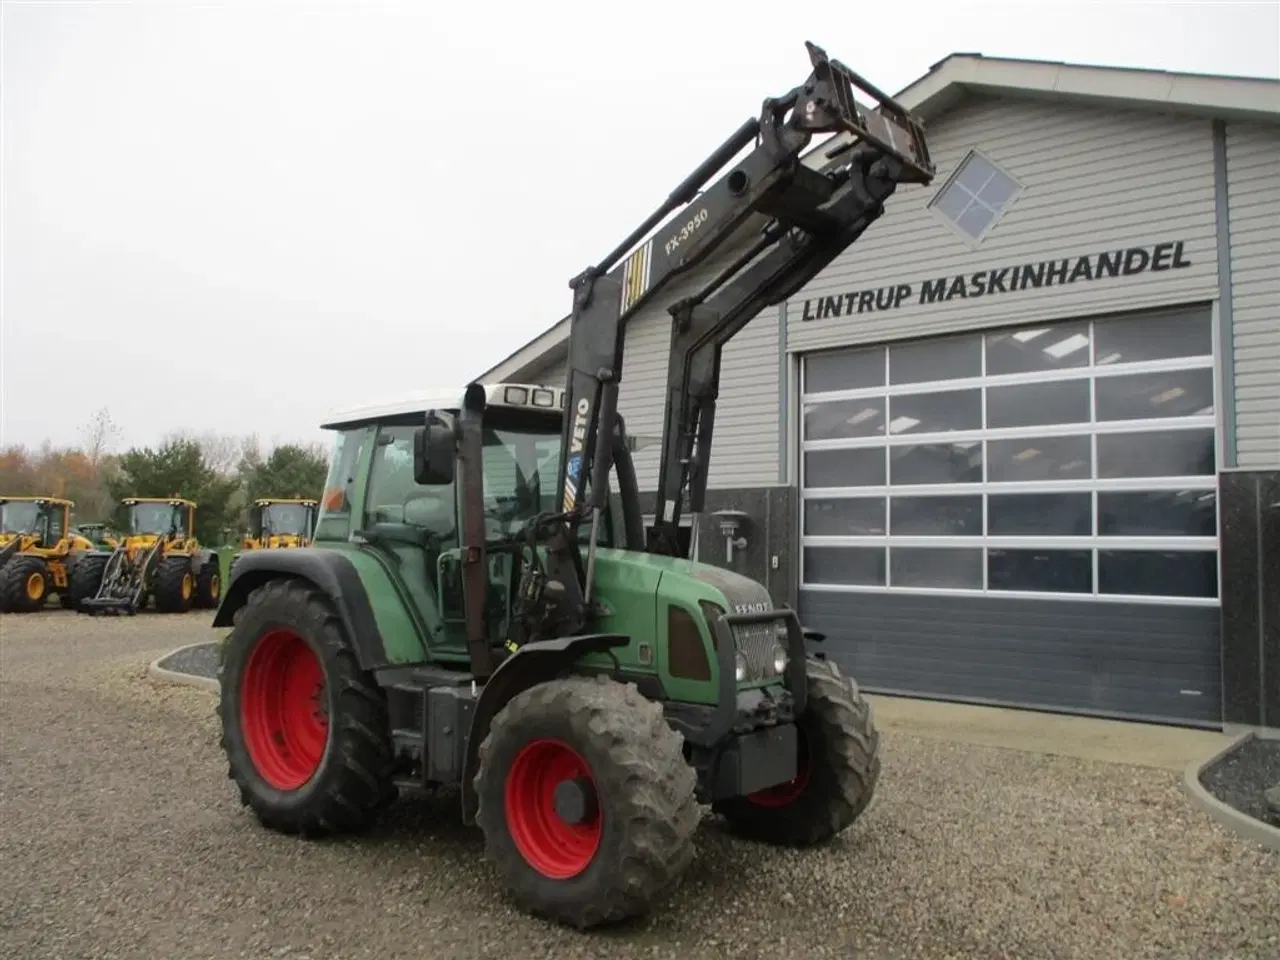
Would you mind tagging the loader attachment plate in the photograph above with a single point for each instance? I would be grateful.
(889, 126)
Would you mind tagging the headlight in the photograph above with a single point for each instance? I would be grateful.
(779, 659)
(739, 668)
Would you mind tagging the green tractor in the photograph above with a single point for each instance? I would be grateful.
(482, 608)
(101, 535)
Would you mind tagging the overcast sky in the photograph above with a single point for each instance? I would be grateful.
(238, 217)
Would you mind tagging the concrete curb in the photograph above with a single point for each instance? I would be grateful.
(1238, 823)
(157, 672)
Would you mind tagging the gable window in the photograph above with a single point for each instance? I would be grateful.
(976, 196)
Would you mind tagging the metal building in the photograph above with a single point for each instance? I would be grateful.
(1021, 444)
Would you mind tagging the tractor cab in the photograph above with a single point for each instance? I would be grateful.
(149, 519)
(279, 523)
(374, 497)
(41, 520)
(99, 534)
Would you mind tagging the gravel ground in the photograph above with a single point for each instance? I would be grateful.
(198, 661)
(1242, 778)
(122, 838)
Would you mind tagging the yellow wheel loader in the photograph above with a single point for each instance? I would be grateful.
(38, 549)
(278, 524)
(157, 556)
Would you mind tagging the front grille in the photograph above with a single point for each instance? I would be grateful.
(755, 642)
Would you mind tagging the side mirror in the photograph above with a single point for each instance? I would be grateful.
(434, 455)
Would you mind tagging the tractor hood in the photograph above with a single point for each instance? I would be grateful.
(637, 589)
(701, 581)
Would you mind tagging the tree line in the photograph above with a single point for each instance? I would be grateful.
(223, 474)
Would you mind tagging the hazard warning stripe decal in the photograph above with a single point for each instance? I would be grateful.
(635, 276)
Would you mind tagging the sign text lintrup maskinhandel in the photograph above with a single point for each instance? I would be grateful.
(1012, 279)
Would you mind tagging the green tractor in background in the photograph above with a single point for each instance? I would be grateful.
(102, 535)
(477, 610)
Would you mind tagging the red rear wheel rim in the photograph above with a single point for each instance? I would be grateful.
(785, 794)
(283, 709)
(555, 848)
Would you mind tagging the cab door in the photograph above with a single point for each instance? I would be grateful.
(409, 526)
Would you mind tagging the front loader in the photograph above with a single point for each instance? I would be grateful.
(476, 612)
(38, 551)
(157, 556)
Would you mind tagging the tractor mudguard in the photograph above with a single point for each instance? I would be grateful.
(531, 664)
(328, 571)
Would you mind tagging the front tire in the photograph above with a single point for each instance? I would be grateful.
(175, 585)
(839, 767)
(85, 579)
(305, 730)
(586, 801)
(24, 585)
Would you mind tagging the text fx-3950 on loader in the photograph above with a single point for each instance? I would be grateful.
(469, 614)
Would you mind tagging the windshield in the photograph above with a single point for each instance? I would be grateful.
(520, 465)
(285, 518)
(21, 516)
(155, 518)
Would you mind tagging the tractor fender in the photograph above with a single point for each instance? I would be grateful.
(531, 664)
(326, 570)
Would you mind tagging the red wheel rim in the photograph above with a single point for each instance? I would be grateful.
(555, 848)
(283, 709)
(785, 794)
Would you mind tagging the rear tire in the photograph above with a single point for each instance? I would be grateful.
(839, 767)
(85, 578)
(209, 583)
(24, 585)
(636, 836)
(174, 585)
(305, 730)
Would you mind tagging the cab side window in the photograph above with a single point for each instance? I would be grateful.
(395, 497)
(334, 520)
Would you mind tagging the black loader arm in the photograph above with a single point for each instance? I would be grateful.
(791, 221)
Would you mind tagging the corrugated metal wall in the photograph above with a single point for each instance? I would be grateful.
(1253, 192)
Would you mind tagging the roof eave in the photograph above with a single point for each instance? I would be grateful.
(1121, 88)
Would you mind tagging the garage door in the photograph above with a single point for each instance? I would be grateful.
(1025, 517)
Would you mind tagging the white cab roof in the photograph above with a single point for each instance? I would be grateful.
(535, 396)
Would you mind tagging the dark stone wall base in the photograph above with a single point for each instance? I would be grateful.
(771, 556)
(1249, 507)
